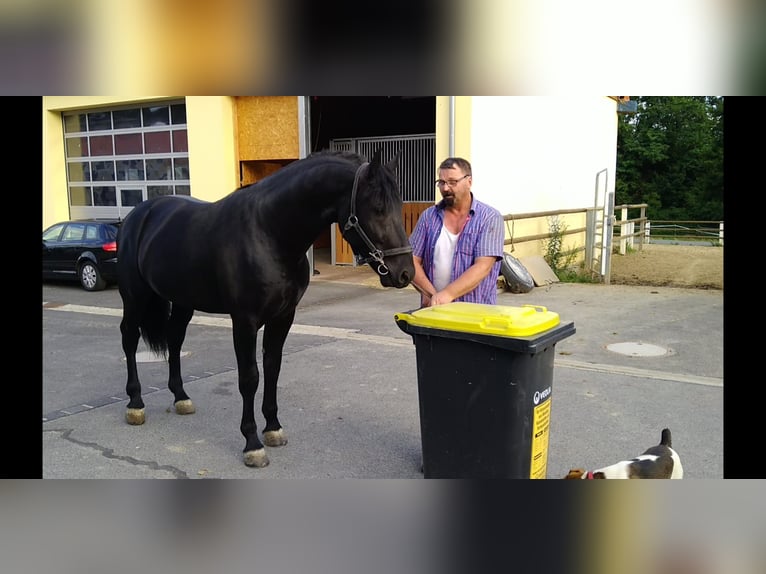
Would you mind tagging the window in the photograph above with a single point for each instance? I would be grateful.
(156, 116)
(74, 232)
(178, 112)
(124, 119)
(91, 232)
(145, 145)
(158, 168)
(101, 145)
(180, 141)
(130, 197)
(79, 171)
(157, 142)
(104, 196)
(99, 121)
(103, 170)
(125, 144)
(53, 233)
(75, 123)
(77, 147)
(181, 168)
(158, 190)
(130, 169)
(80, 196)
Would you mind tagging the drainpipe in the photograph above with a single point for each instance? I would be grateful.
(452, 126)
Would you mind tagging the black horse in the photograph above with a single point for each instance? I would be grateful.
(245, 255)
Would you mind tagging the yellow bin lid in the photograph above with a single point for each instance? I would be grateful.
(497, 320)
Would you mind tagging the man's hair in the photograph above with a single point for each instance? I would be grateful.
(462, 164)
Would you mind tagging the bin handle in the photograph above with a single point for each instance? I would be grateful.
(538, 308)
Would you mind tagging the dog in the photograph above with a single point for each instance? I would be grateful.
(660, 461)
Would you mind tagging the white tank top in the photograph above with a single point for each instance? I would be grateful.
(444, 253)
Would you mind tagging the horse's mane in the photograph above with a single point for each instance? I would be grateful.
(349, 155)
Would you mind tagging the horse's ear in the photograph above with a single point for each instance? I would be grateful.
(393, 163)
(376, 158)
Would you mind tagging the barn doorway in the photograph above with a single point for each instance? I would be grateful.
(353, 117)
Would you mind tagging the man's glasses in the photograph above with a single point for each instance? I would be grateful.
(450, 182)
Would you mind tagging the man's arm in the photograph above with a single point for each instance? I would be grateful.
(421, 282)
(466, 283)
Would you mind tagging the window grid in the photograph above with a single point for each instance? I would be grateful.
(145, 146)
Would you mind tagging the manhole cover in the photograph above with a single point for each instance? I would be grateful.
(639, 349)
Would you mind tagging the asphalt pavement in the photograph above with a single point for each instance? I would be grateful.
(641, 359)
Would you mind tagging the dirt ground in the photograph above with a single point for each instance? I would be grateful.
(699, 267)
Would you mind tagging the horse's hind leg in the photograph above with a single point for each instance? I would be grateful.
(245, 331)
(179, 320)
(135, 413)
(274, 337)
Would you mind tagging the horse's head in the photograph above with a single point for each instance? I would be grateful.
(374, 226)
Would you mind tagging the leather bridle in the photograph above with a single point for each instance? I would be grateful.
(375, 254)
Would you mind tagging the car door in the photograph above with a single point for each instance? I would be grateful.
(51, 244)
(68, 251)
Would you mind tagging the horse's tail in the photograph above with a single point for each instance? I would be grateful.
(154, 325)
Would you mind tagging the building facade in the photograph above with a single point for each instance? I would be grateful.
(102, 155)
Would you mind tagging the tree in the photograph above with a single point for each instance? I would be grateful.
(670, 156)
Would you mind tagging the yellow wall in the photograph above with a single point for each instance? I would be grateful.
(212, 146)
(531, 155)
(462, 127)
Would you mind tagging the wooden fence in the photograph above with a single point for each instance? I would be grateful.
(586, 228)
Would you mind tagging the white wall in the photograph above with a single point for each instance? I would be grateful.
(541, 153)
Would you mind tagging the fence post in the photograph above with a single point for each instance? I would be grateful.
(648, 232)
(590, 237)
(720, 234)
(623, 230)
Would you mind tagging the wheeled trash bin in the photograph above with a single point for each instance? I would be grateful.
(485, 378)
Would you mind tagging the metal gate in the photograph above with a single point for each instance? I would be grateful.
(417, 162)
(600, 224)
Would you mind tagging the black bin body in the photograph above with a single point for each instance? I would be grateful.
(484, 399)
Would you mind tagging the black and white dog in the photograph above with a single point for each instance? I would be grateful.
(659, 461)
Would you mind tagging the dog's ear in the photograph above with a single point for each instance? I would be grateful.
(575, 473)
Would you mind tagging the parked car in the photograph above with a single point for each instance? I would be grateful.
(82, 250)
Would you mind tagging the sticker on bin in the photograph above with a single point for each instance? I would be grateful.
(498, 320)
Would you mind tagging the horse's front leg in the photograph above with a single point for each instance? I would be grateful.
(245, 331)
(179, 320)
(274, 336)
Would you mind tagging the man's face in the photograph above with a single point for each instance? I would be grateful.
(456, 186)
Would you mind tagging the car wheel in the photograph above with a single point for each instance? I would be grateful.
(90, 277)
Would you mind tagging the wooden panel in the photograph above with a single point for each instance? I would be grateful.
(411, 212)
(267, 127)
(253, 171)
(344, 255)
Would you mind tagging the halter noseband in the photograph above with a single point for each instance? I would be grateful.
(375, 254)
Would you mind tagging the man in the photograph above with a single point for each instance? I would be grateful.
(457, 244)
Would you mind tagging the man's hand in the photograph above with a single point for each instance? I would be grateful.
(441, 298)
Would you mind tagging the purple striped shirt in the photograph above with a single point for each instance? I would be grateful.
(482, 236)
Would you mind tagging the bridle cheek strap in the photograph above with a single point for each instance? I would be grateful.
(375, 254)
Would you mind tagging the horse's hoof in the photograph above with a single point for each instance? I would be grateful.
(185, 407)
(274, 438)
(135, 416)
(257, 458)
